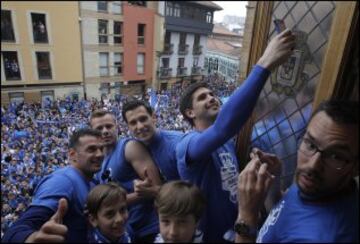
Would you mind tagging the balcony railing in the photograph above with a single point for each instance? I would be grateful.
(165, 72)
(197, 50)
(196, 70)
(183, 49)
(168, 48)
(181, 71)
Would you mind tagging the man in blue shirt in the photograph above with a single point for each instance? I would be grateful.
(323, 203)
(125, 161)
(56, 212)
(206, 156)
(141, 121)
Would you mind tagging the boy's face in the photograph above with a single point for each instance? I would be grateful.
(111, 219)
(177, 228)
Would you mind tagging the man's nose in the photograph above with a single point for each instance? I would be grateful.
(314, 161)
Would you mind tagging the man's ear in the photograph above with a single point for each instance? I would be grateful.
(190, 113)
(93, 221)
(72, 154)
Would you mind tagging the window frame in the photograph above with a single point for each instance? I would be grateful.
(11, 25)
(139, 65)
(37, 65)
(104, 66)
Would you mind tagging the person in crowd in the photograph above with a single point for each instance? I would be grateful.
(321, 205)
(141, 121)
(180, 206)
(56, 212)
(44, 148)
(206, 156)
(107, 213)
(128, 160)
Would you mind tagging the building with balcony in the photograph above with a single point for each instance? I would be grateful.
(187, 25)
(118, 46)
(223, 54)
(40, 51)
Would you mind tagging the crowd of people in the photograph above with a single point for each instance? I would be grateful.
(126, 178)
(35, 138)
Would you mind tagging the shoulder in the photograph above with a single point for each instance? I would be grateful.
(133, 145)
(53, 187)
(172, 133)
(185, 140)
(61, 178)
(135, 148)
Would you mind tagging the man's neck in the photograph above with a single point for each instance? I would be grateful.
(329, 197)
(86, 176)
(202, 125)
(108, 149)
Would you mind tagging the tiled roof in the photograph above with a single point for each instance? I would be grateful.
(219, 29)
(209, 4)
(223, 47)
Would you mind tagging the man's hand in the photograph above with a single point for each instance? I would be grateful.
(53, 230)
(274, 168)
(146, 188)
(278, 50)
(253, 184)
(273, 162)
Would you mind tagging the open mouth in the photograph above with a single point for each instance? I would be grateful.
(308, 182)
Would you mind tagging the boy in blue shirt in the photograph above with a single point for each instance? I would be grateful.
(107, 213)
(206, 156)
(56, 212)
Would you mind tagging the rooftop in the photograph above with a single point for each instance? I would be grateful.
(219, 29)
(208, 4)
(224, 47)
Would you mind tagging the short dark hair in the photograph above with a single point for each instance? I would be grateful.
(75, 137)
(179, 198)
(100, 113)
(340, 111)
(186, 98)
(133, 104)
(104, 195)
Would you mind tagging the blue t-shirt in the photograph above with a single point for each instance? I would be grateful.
(95, 236)
(69, 183)
(163, 151)
(296, 220)
(216, 176)
(142, 219)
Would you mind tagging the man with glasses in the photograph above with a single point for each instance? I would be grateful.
(323, 204)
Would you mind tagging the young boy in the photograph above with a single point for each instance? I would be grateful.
(180, 206)
(107, 214)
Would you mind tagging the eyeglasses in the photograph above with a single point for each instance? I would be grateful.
(331, 159)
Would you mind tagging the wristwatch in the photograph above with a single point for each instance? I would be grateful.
(243, 229)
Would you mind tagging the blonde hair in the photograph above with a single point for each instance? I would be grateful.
(178, 198)
(104, 194)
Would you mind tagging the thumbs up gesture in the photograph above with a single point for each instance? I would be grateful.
(53, 230)
(145, 188)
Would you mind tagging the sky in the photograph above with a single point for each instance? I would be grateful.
(236, 8)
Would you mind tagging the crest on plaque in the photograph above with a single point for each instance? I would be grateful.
(289, 77)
